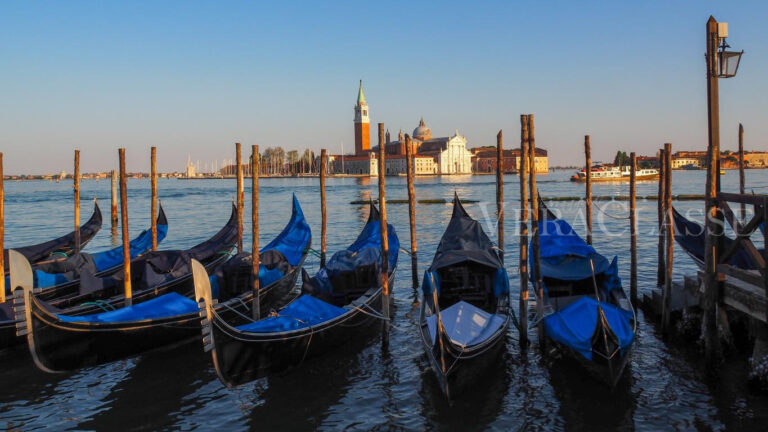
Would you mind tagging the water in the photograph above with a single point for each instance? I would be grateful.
(365, 389)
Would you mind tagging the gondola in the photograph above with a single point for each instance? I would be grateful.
(465, 310)
(63, 246)
(691, 236)
(96, 324)
(61, 279)
(587, 315)
(338, 306)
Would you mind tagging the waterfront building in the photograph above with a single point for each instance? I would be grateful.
(484, 160)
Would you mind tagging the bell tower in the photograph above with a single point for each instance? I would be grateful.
(362, 124)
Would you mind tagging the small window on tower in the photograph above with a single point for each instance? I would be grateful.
(365, 112)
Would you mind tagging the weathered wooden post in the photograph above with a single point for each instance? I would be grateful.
(323, 214)
(669, 239)
(633, 228)
(124, 224)
(660, 201)
(523, 305)
(741, 171)
(76, 180)
(411, 211)
(588, 184)
(384, 238)
(240, 196)
(536, 232)
(153, 204)
(255, 258)
(2, 232)
(500, 192)
(114, 202)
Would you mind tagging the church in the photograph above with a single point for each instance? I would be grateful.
(432, 156)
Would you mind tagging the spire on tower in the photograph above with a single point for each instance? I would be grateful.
(360, 95)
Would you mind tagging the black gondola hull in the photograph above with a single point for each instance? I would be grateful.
(240, 357)
(62, 346)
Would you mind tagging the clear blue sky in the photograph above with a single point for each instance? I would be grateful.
(194, 77)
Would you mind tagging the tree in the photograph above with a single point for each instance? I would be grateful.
(307, 158)
(621, 158)
(293, 159)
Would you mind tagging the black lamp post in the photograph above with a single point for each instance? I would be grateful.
(720, 64)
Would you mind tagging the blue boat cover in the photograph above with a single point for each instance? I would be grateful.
(305, 311)
(575, 324)
(104, 260)
(566, 256)
(370, 236)
(268, 277)
(166, 305)
(295, 237)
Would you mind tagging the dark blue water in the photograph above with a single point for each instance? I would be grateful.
(371, 388)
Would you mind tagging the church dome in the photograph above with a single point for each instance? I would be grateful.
(422, 132)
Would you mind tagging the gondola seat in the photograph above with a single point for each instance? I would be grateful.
(347, 276)
(465, 324)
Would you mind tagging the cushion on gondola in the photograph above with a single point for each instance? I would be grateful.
(576, 323)
(306, 311)
(166, 305)
(466, 325)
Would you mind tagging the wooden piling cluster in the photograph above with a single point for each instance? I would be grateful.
(255, 260)
(240, 196)
(76, 181)
(523, 300)
(153, 205)
(411, 211)
(588, 187)
(633, 228)
(384, 238)
(323, 214)
(535, 217)
(124, 225)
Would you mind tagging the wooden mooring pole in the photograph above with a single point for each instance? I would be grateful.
(76, 179)
(500, 193)
(384, 238)
(539, 283)
(660, 201)
(633, 228)
(588, 185)
(712, 217)
(523, 305)
(668, 240)
(240, 196)
(323, 214)
(153, 204)
(412, 213)
(124, 225)
(2, 232)
(255, 226)
(114, 202)
(741, 171)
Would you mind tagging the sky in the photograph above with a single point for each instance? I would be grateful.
(193, 78)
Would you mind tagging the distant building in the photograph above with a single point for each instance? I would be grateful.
(190, 172)
(484, 160)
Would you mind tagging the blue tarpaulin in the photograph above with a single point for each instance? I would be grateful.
(303, 312)
(370, 236)
(295, 237)
(106, 259)
(575, 324)
(166, 305)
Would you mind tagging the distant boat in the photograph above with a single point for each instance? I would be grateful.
(609, 173)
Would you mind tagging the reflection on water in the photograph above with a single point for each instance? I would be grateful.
(363, 387)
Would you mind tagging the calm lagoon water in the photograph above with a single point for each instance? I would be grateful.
(177, 389)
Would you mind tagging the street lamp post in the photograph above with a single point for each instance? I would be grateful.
(720, 64)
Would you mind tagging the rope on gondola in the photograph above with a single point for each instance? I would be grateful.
(316, 253)
(62, 254)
